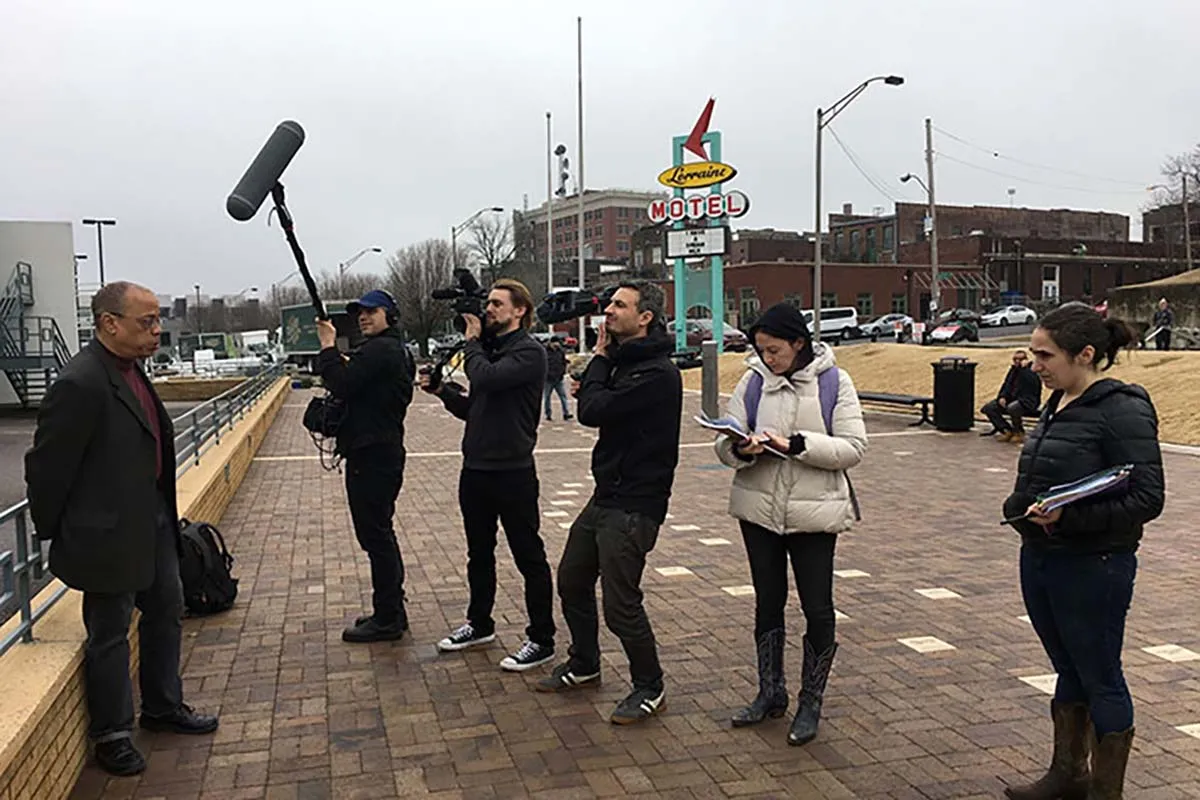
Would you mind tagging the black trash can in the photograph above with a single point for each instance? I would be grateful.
(953, 394)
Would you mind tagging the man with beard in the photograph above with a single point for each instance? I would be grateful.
(633, 393)
(506, 369)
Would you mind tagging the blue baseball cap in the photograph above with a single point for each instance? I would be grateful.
(376, 298)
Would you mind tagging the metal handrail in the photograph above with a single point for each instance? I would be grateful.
(198, 429)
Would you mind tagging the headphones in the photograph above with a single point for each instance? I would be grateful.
(392, 315)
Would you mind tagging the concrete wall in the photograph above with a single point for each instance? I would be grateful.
(50, 248)
(1137, 304)
(43, 720)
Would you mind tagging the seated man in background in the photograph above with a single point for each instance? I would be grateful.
(1020, 395)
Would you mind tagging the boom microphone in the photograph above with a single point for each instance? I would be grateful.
(265, 171)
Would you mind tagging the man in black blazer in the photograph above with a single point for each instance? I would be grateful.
(1020, 395)
(101, 484)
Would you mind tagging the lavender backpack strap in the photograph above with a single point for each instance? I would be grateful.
(750, 400)
(828, 384)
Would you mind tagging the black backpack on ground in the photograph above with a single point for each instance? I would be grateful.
(204, 569)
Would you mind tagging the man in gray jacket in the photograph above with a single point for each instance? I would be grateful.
(101, 484)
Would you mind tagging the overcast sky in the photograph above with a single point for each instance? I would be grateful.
(419, 113)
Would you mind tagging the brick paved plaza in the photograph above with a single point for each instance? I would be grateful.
(938, 690)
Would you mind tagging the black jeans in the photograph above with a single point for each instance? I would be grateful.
(510, 496)
(1162, 339)
(106, 618)
(812, 565)
(1014, 410)
(374, 476)
(1077, 604)
(611, 545)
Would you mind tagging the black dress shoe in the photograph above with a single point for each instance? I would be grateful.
(119, 757)
(185, 720)
(367, 629)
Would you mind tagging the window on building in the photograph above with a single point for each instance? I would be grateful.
(865, 304)
(855, 242)
(622, 246)
(1087, 280)
(899, 303)
(889, 237)
(839, 244)
(828, 299)
(956, 230)
(639, 258)
(870, 244)
(748, 296)
(622, 212)
(656, 255)
(794, 299)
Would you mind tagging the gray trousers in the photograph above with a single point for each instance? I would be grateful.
(106, 617)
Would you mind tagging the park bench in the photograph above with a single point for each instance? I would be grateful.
(901, 400)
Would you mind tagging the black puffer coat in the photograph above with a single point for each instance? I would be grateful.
(1111, 424)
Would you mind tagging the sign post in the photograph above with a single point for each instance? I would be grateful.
(708, 236)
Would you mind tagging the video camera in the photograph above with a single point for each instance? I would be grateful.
(567, 304)
(468, 297)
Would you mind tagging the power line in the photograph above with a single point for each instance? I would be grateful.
(875, 182)
(1023, 179)
(1034, 165)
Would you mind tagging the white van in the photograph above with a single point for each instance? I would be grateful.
(836, 323)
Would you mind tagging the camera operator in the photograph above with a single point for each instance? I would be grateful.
(376, 386)
(506, 368)
(633, 393)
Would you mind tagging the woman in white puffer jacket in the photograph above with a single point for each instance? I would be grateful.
(792, 506)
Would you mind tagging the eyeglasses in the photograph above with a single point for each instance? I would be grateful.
(146, 323)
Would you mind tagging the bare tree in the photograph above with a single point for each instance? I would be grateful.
(414, 272)
(492, 243)
(1174, 169)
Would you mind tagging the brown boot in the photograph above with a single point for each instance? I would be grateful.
(1017, 438)
(1005, 436)
(1068, 774)
(1109, 757)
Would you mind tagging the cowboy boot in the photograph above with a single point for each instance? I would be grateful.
(1068, 775)
(1109, 756)
(812, 694)
(772, 699)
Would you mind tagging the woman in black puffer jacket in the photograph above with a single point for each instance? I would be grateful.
(1078, 562)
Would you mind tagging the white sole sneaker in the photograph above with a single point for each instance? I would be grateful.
(448, 645)
(512, 665)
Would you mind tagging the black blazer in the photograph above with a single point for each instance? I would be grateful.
(90, 476)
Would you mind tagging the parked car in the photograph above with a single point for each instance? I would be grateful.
(886, 325)
(1010, 315)
(959, 315)
(565, 339)
(836, 323)
(701, 330)
(954, 331)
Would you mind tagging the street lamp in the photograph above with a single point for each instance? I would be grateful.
(455, 230)
(348, 263)
(199, 326)
(100, 223)
(824, 117)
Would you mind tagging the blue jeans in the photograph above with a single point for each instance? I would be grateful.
(561, 389)
(1077, 604)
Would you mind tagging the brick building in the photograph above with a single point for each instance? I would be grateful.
(878, 238)
(610, 217)
(746, 246)
(1165, 225)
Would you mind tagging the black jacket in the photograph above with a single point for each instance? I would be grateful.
(556, 365)
(1113, 423)
(1023, 384)
(376, 384)
(90, 476)
(506, 377)
(1164, 318)
(635, 398)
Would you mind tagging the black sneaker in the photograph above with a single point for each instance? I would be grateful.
(184, 720)
(463, 637)
(639, 705)
(367, 629)
(563, 679)
(119, 757)
(530, 655)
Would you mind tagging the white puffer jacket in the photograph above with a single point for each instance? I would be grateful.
(806, 493)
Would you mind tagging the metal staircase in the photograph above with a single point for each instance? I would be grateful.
(32, 348)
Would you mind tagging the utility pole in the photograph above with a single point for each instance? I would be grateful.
(934, 292)
(549, 208)
(583, 321)
(817, 256)
(1187, 224)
